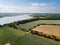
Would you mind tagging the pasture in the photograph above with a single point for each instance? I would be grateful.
(13, 36)
(9, 35)
(29, 39)
(33, 24)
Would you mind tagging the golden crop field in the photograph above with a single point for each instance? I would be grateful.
(48, 29)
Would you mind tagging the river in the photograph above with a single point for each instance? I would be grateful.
(5, 20)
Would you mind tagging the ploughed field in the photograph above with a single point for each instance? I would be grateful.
(50, 31)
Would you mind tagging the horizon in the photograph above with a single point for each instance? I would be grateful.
(29, 6)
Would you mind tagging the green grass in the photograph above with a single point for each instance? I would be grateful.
(29, 39)
(30, 25)
(8, 34)
(18, 37)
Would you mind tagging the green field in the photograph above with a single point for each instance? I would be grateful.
(8, 34)
(18, 37)
(29, 39)
(30, 25)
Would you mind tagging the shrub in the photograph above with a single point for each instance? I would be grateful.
(53, 37)
(31, 31)
(40, 33)
(49, 36)
(46, 35)
(34, 32)
(38, 25)
(0, 25)
(57, 38)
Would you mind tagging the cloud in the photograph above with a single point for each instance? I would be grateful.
(34, 8)
(39, 4)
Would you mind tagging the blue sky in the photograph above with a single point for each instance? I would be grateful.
(30, 6)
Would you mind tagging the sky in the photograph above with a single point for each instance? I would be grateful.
(29, 6)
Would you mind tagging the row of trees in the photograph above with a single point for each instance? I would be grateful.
(45, 35)
(47, 16)
(15, 24)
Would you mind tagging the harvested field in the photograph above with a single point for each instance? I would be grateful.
(46, 30)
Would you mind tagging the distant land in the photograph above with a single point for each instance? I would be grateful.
(15, 14)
